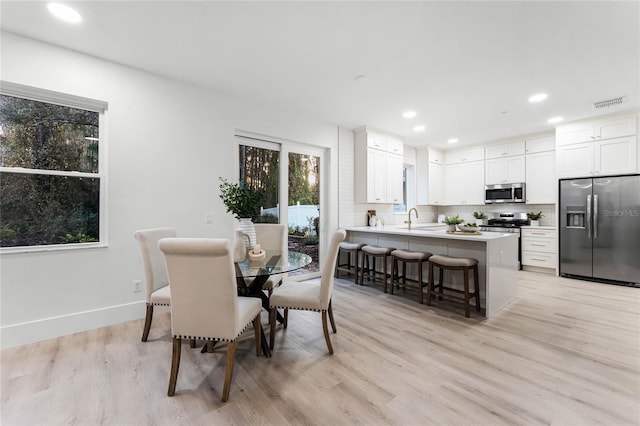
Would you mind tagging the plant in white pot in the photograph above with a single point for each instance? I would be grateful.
(244, 203)
(452, 221)
(481, 217)
(534, 218)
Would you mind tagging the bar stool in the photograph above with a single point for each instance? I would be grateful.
(374, 252)
(408, 256)
(349, 248)
(455, 264)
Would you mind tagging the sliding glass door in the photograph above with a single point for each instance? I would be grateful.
(290, 175)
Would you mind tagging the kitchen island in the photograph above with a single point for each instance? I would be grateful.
(497, 256)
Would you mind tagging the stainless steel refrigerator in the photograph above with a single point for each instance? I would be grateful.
(600, 229)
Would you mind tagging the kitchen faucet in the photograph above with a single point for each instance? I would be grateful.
(409, 221)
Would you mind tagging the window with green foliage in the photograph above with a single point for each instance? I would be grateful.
(50, 173)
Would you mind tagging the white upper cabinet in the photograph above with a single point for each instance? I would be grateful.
(541, 183)
(464, 155)
(429, 176)
(394, 186)
(505, 150)
(464, 183)
(606, 128)
(597, 148)
(378, 168)
(540, 144)
(505, 170)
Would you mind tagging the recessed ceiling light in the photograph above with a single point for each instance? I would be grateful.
(539, 97)
(419, 127)
(452, 140)
(65, 13)
(555, 120)
(409, 114)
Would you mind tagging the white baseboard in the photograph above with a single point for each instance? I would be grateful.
(48, 328)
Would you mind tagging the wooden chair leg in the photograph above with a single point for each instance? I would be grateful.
(333, 323)
(147, 323)
(192, 343)
(420, 299)
(272, 322)
(228, 374)
(257, 326)
(209, 346)
(285, 323)
(394, 272)
(384, 272)
(467, 312)
(326, 331)
(441, 283)
(175, 366)
(430, 284)
(476, 285)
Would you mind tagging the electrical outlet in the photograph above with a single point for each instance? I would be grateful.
(137, 286)
(208, 218)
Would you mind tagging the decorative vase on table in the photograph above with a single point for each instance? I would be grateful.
(246, 226)
(240, 247)
(451, 228)
(535, 223)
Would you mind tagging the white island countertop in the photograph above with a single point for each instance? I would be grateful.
(428, 230)
(496, 252)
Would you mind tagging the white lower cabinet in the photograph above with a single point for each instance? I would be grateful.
(539, 248)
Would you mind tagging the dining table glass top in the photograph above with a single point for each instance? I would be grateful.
(274, 262)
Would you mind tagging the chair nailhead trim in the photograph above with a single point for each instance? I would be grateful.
(214, 339)
(158, 304)
(298, 309)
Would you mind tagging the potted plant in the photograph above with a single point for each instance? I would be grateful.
(481, 217)
(452, 221)
(534, 218)
(244, 203)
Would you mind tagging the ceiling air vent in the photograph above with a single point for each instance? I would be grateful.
(608, 103)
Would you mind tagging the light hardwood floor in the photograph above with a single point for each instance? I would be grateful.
(564, 353)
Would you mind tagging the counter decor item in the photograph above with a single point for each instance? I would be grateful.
(244, 203)
(452, 221)
(534, 218)
(256, 254)
(481, 217)
(470, 227)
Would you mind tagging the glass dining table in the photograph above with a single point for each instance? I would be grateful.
(251, 275)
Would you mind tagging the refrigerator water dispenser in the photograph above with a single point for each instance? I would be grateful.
(576, 218)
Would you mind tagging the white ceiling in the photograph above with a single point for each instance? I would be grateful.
(466, 68)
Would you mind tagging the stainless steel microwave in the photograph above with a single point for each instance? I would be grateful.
(504, 193)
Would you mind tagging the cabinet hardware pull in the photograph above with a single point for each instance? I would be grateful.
(539, 245)
(539, 260)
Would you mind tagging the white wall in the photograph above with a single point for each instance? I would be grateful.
(168, 142)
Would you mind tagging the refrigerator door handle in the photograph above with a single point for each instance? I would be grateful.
(588, 216)
(595, 216)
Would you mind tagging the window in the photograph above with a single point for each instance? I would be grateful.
(51, 179)
(408, 190)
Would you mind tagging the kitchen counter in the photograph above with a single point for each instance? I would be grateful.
(429, 230)
(497, 255)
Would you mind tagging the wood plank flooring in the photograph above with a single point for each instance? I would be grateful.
(565, 352)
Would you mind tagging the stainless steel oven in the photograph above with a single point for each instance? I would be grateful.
(504, 193)
(507, 223)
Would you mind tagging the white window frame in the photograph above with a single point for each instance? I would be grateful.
(73, 101)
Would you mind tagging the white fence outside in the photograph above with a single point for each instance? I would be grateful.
(299, 215)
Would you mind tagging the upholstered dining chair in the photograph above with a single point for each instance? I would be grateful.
(272, 237)
(155, 272)
(309, 295)
(204, 300)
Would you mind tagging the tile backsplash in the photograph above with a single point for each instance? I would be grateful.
(466, 212)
